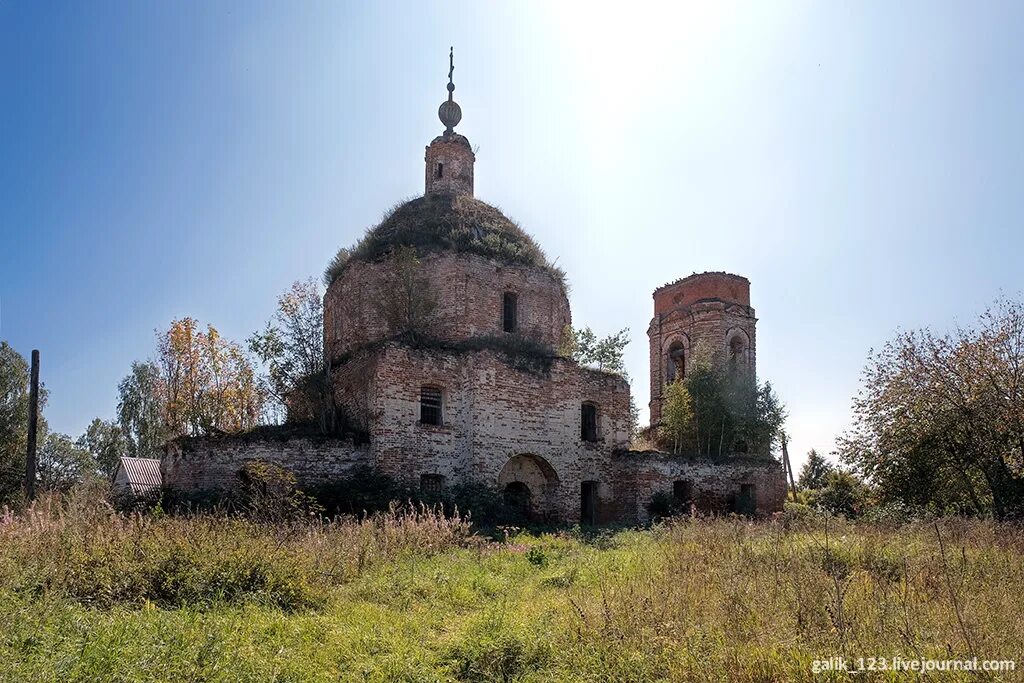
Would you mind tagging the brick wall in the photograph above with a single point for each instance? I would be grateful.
(688, 290)
(715, 485)
(214, 463)
(453, 152)
(494, 412)
(469, 291)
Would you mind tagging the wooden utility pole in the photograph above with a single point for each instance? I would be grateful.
(789, 467)
(33, 428)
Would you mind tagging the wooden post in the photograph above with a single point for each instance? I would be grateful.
(789, 468)
(33, 427)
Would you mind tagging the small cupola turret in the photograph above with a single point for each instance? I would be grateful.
(449, 158)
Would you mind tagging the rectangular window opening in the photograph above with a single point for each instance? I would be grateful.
(588, 422)
(431, 483)
(430, 406)
(510, 311)
(439, 173)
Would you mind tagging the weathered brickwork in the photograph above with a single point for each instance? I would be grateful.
(215, 463)
(498, 422)
(476, 404)
(712, 486)
(706, 313)
(469, 291)
(449, 165)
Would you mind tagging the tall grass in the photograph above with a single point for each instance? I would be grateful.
(410, 595)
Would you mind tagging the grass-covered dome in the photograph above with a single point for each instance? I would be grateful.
(445, 222)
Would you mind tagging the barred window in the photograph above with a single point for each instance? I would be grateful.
(431, 483)
(588, 422)
(430, 405)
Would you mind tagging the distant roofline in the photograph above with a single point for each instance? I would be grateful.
(698, 275)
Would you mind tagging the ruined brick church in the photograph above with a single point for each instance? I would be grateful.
(488, 399)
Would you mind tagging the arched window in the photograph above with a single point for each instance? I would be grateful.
(675, 366)
(738, 350)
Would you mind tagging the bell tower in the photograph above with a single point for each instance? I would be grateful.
(449, 158)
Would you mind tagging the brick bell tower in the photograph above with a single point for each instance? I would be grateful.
(449, 158)
(704, 315)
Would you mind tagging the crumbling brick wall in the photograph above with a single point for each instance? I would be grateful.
(715, 485)
(469, 293)
(494, 412)
(213, 463)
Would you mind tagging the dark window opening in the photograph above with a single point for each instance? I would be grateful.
(737, 351)
(676, 365)
(682, 491)
(588, 422)
(588, 502)
(431, 483)
(517, 497)
(747, 502)
(430, 406)
(439, 173)
(510, 311)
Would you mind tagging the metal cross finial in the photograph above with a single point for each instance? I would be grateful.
(451, 70)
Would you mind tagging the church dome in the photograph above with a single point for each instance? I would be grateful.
(447, 223)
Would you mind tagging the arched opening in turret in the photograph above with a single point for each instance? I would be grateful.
(675, 362)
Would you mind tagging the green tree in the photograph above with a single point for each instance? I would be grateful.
(106, 443)
(139, 412)
(939, 422)
(842, 493)
(62, 463)
(603, 353)
(732, 411)
(677, 416)
(406, 299)
(814, 471)
(291, 348)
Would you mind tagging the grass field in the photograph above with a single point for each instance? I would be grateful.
(87, 595)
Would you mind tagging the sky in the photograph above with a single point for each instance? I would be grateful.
(860, 163)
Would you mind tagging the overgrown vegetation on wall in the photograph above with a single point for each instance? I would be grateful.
(717, 409)
(443, 222)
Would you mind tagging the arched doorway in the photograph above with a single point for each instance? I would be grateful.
(529, 483)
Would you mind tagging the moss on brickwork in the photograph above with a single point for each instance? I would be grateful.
(445, 222)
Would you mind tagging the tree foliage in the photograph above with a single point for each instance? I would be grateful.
(207, 383)
(106, 443)
(677, 418)
(603, 353)
(292, 349)
(814, 471)
(140, 411)
(939, 422)
(841, 493)
(406, 300)
(63, 463)
(727, 411)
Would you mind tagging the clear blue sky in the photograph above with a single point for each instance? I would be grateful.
(859, 162)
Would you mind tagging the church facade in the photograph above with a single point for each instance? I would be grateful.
(441, 330)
